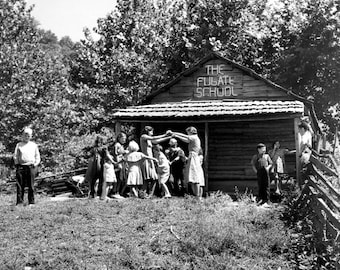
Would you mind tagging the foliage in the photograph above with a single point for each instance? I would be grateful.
(311, 65)
(34, 84)
(309, 250)
(146, 43)
(76, 150)
(143, 44)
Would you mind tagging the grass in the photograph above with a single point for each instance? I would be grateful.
(179, 233)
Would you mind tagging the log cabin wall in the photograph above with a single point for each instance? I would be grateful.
(232, 145)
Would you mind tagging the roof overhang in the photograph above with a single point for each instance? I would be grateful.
(214, 110)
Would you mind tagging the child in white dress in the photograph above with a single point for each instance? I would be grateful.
(163, 170)
(108, 174)
(193, 170)
(277, 154)
(135, 161)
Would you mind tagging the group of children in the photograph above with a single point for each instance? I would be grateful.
(143, 171)
(114, 170)
(272, 164)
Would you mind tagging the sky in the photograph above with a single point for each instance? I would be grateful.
(69, 17)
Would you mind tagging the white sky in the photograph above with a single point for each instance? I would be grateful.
(69, 17)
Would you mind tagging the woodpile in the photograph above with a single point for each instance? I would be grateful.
(54, 184)
(60, 183)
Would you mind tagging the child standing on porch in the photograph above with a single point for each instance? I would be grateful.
(277, 155)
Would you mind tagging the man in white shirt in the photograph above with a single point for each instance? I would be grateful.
(26, 159)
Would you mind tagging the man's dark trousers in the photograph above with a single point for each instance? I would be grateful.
(25, 178)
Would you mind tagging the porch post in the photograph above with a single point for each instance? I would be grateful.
(206, 160)
(297, 147)
(118, 127)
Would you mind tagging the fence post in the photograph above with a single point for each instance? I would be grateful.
(336, 146)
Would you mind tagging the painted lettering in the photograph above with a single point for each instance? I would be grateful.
(199, 80)
(206, 91)
(214, 69)
(214, 81)
(220, 92)
(216, 84)
(199, 92)
(214, 92)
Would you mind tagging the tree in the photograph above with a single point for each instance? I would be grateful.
(311, 65)
(143, 44)
(34, 86)
(17, 51)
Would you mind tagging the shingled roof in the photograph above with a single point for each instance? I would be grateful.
(221, 109)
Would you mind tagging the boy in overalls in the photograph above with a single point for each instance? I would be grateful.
(261, 164)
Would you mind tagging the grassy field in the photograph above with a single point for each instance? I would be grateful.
(177, 233)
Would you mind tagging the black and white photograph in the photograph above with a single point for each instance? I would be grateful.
(169, 135)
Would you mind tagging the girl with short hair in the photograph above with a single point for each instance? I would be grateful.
(108, 175)
(193, 171)
(135, 160)
(163, 170)
(147, 139)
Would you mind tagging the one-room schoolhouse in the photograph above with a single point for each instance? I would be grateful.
(233, 109)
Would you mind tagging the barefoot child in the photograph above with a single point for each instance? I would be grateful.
(163, 170)
(135, 161)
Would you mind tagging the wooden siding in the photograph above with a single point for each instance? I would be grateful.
(232, 145)
(244, 86)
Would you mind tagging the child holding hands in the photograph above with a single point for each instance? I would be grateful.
(108, 175)
(163, 170)
(135, 161)
(193, 172)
